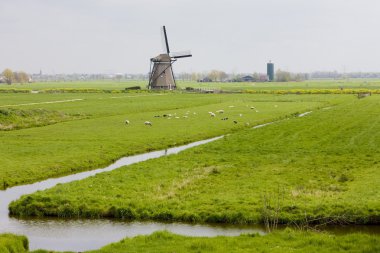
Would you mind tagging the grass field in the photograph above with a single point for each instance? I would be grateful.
(321, 168)
(101, 136)
(280, 242)
(121, 85)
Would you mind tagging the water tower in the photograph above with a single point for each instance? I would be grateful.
(270, 71)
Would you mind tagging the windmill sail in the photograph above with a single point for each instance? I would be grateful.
(182, 54)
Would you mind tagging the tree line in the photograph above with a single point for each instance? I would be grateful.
(10, 76)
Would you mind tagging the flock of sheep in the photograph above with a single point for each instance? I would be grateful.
(212, 115)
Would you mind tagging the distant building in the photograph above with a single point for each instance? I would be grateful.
(247, 79)
(205, 80)
(270, 71)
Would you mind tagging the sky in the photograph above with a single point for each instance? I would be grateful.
(236, 36)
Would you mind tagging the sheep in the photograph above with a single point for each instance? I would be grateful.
(127, 122)
(252, 107)
(241, 115)
(185, 117)
(220, 111)
(231, 106)
(177, 117)
(148, 123)
(194, 113)
(157, 116)
(225, 118)
(235, 122)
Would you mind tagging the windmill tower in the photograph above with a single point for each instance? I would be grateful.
(161, 74)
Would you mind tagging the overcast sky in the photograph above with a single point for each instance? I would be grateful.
(109, 36)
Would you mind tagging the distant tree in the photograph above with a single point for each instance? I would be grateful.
(23, 77)
(256, 77)
(283, 76)
(217, 75)
(20, 77)
(195, 76)
(8, 76)
(213, 75)
(222, 75)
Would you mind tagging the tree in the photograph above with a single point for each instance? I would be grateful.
(8, 75)
(213, 75)
(283, 76)
(217, 75)
(23, 77)
(256, 77)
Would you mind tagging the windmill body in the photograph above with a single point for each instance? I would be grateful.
(161, 72)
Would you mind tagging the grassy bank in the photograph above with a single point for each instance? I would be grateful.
(278, 242)
(13, 244)
(321, 168)
(281, 242)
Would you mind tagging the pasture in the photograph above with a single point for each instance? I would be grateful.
(92, 132)
(118, 86)
(321, 168)
(317, 169)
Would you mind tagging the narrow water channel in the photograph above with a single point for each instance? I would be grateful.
(86, 234)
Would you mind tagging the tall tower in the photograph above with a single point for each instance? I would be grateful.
(270, 71)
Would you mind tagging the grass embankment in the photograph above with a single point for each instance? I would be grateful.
(13, 244)
(13, 119)
(321, 168)
(281, 242)
(277, 242)
(32, 154)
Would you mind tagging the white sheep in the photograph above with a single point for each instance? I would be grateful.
(127, 122)
(220, 111)
(212, 114)
(148, 123)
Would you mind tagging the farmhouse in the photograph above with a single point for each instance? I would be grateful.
(247, 79)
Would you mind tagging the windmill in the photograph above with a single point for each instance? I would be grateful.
(161, 74)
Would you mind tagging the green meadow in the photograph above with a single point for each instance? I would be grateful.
(227, 86)
(79, 132)
(277, 242)
(321, 168)
(308, 171)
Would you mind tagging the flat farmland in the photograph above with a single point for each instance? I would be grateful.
(321, 168)
(92, 132)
